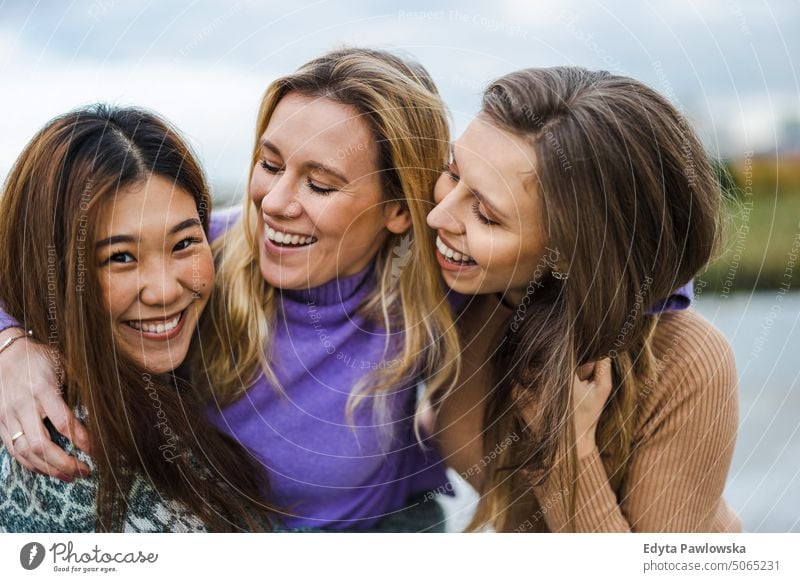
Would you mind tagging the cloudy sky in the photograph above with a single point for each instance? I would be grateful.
(731, 65)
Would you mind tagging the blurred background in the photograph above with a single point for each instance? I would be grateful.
(728, 65)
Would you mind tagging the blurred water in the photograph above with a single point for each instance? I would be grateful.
(764, 480)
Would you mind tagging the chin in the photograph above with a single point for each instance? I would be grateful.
(283, 278)
(159, 361)
(281, 282)
(162, 368)
(461, 286)
(163, 364)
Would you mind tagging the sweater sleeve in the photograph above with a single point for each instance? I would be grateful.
(221, 221)
(684, 442)
(34, 503)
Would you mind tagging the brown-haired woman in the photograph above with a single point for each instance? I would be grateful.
(104, 255)
(572, 203)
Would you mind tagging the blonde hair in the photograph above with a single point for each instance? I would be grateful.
(400, 104)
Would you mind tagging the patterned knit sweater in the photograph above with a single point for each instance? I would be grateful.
(34, 503)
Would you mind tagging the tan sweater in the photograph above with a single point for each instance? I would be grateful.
(683, 444)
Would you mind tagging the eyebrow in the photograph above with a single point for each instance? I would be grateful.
(481, 198)
(125, 238)
(188, 223)
(312, 166)
(112, 240)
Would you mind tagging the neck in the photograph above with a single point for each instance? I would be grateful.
(511, 298)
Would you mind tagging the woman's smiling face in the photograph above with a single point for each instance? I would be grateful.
(488, 216)
(317, 191)
(155, 271)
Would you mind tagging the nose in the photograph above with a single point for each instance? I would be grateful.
(159, 285)
(281, 200)
(445, 215)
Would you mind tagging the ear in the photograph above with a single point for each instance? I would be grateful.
(397, 219)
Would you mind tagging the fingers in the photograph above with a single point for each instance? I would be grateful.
(582, 390)
(603, 366)
(20, 448)
(585, 371)
(63, 419)
(603, 377)
(36, 449)
(29, 393)
(6, 436)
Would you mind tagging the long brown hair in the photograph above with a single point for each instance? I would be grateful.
(400, 104)
(630, 205)
(48, 217)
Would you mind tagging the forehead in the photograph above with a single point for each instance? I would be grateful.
(495, 162)
(322, 130)
(495, 151)
(155, 204)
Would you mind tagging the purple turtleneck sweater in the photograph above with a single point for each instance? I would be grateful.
(329, 472)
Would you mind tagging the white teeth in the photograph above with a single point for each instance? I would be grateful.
(156, 328)
(286, 238)
(451, 254)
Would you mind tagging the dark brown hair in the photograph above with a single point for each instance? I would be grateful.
(630, 203)
(48, 217)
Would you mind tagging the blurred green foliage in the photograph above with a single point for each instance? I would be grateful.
(761, 226)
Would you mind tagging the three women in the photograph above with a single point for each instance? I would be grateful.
(565, 241)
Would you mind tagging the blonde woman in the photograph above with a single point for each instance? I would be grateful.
(329, 306)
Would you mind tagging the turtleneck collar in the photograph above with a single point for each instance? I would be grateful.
(338, 290)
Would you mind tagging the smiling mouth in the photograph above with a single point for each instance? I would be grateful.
(287, 239)
(157, 326)
(453, 256)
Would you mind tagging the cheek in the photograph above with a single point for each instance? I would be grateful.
(118, 291)
(498, 252)
(531, 261)
(199, 274)
(368, 227)
(346, 218)
(206, 274)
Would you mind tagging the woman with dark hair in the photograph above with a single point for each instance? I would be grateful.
(104, 256)
(574, 204)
